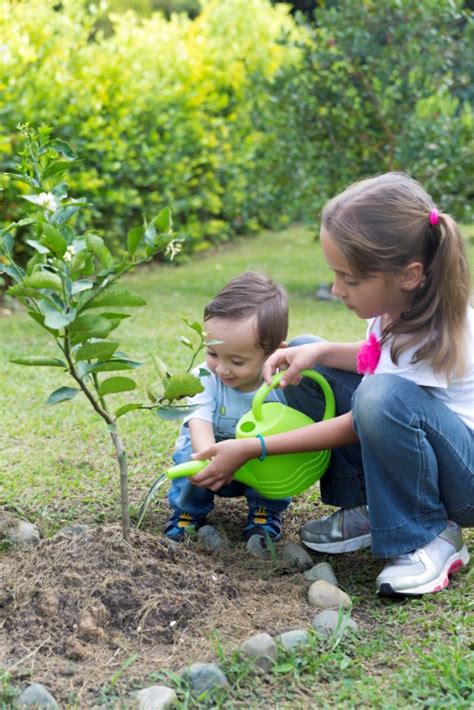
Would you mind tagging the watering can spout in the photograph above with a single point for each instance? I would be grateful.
(285, 474)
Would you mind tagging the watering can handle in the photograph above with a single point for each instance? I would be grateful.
(265, 389)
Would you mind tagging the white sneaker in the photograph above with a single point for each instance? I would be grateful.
(427, 569)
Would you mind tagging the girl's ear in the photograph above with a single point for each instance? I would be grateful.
(411, 276)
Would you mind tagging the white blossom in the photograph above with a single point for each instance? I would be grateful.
(69, 253)
(48, 200)
(173, 248)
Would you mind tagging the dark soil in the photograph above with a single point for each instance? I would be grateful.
(77, 607)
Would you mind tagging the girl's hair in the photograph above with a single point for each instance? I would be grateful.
(253, 294)
(382, 224)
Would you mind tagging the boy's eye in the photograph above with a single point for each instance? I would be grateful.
(211, 354)
(237, 363)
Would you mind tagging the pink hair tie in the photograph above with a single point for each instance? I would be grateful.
(434, 217)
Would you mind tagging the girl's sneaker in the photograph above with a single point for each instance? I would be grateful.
(427, 569)
(262, 521)
(180, 524)
(346, 530)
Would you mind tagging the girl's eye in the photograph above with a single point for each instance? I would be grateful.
(348, 282)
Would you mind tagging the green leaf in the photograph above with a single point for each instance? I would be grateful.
(62, 394)
(44, 279)
(96, 245)
(185, 341)
(39, 360)
(40, 248)
(127, 408)
(116, 384)
(163, 373)
(179, 386)
(7, 243)
(90, 326)
(57, 318)
(117, 296)
(62, 148)
(81, 285)
(163, 221)
(134, 239)
(12, 271)
(114, 365)
(100, 350)
(54, 240)
(39, 318)
(197, 327)
(174, 412)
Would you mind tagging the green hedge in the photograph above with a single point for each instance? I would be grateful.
(240, 118)
(160, 112)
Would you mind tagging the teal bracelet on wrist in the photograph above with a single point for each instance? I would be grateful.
(264, 448)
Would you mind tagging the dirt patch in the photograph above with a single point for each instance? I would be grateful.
(78, 607)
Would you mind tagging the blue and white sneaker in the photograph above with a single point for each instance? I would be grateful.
(181, 523)
(262, 521)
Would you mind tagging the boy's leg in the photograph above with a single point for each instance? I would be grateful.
(264, 516)
(190, 503)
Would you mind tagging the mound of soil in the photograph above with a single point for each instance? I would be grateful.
(77, 607)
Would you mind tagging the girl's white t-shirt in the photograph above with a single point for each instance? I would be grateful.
(458, 394)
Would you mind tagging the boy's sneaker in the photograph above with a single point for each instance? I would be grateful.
(262, 521)
(181, 524)
(346, 530)
(426, 569)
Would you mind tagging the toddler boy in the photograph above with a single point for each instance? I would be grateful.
(244, 323)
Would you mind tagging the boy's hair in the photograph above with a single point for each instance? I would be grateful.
(381, 224)
(253, 294)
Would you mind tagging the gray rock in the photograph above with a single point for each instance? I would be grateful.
(330, 622)
(297, 555)
(262, 649)
(156, 697)
(37, 695)
(323, 595)
(72, 530)
(322, 570)
(256, 546)
(291, 639)
(210, 539)
(23, 533)
(204, 676)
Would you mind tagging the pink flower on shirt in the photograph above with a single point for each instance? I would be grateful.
(368, 356)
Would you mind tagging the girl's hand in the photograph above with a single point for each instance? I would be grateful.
(293, 360)
(227, 456)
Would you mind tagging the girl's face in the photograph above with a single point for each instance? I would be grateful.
(370, 296)
(237, 361)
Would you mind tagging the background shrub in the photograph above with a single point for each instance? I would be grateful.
(240, 117)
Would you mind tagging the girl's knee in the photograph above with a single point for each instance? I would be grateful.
(376, 397)
(304, 340)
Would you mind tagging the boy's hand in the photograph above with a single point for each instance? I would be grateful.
(293, 361)
(227, 457)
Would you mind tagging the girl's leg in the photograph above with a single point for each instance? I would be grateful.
(418, 461)
(343, 484)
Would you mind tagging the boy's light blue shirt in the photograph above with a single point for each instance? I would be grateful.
(220, 405)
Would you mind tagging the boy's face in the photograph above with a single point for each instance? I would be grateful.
(237, 361)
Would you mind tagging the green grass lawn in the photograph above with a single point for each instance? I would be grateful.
(58, 467)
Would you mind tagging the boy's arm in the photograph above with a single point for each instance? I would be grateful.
(201, 433)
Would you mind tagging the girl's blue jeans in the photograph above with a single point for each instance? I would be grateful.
(183, 496)
(414, 465)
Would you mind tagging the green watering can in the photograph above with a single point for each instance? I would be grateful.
(284, 474)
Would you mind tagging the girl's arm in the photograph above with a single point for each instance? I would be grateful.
(228, 456)
(201, 433)
(341, 356)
